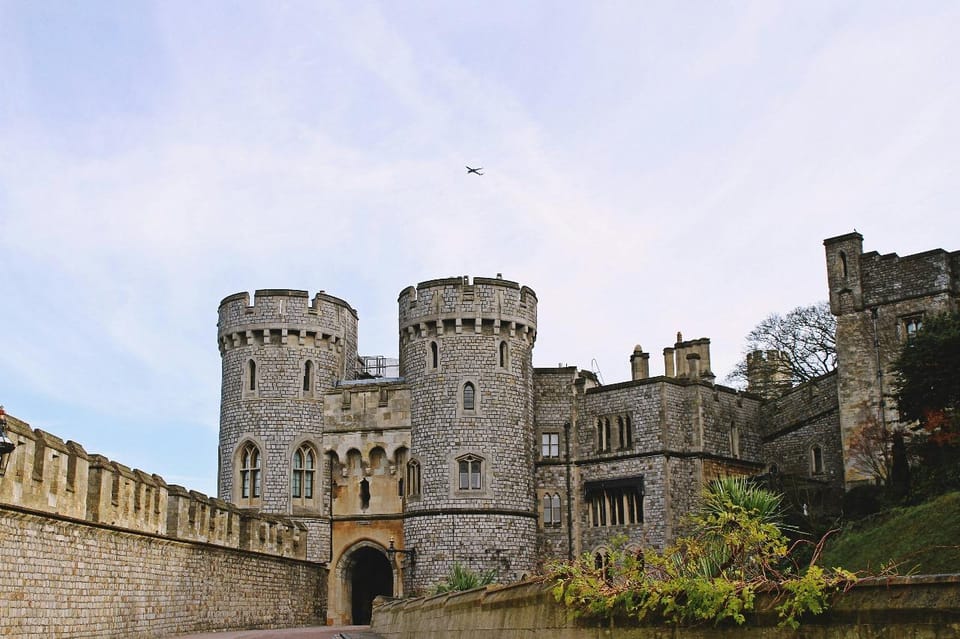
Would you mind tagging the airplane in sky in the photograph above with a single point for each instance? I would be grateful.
(477, 170)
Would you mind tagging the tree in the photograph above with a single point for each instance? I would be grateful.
(927, 391)
(806, 337)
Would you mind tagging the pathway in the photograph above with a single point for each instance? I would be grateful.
(311, 632)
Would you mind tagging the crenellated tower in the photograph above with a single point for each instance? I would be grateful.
(466, 355)
(278, 357)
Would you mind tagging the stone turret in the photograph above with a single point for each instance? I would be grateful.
(768, 373)
(279, 355)
(465, 352)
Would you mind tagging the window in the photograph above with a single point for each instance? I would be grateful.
(413, 478)
(307, 376)
(469, 396)
(615, 502)
(603, 435)
(624, 432)
(735, 441)
(470, 471)
(911, 326)
(434, 356)
(504, 359)
(550, 445)
(250, 471)
(843, 264)
(304, 469)
(251, 375)
(816, 460)
(551, 510)
(364, 494)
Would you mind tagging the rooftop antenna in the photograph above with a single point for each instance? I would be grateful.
(595, 369)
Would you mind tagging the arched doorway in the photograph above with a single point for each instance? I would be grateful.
(370, 575)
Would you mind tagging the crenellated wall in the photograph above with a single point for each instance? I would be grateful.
(110, 551)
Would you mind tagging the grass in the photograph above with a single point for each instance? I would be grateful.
(920, 539)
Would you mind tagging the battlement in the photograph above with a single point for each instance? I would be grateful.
(47, 475)
(281, 315)
(456, 304)
(859, 280)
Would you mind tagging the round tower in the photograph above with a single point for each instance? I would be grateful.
(466, 354)
(278, 357)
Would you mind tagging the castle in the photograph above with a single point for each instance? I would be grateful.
(471, 455)
(341, 477)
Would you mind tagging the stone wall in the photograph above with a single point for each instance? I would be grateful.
(806, 416)
(919, 607)
(67, 578)
(97, 549)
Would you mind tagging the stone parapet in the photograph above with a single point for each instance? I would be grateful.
(924, 607)
(47, 475)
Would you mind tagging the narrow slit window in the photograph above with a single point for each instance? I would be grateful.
(434, 355)
(504, 355)
(308, 376)
(251, 375)
(469, 396)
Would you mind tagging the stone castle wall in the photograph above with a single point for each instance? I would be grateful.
(107, 551)
(806, 416)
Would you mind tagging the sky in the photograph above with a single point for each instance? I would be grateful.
(648, 168)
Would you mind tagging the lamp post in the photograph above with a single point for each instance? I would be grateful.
(392, 552)
(6, 446)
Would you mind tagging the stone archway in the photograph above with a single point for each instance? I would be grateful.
(366, 573)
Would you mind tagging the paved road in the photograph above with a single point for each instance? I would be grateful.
(312, 632)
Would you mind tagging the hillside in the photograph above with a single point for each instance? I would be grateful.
(920, 539)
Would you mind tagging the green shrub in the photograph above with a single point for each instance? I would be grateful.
(736, 550)
(462, 578)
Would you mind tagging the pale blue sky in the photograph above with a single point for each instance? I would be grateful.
(650, 167)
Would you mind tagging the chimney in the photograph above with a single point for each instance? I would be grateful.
(668, 369)
(693, 366)
(639, 364)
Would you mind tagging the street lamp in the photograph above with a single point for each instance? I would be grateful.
(392, 551)
(6, 446)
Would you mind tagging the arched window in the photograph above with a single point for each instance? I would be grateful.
(251, 375)
(304, 473)
(308, 376)
(413, 478)
(504, 360)
(551, 510)
(843, 264)
(816, 459)
(735, 441)
(469, 396)
(434, 355)
(250, 471)
(470, 469)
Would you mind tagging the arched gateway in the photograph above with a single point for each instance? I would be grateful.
(364, 573)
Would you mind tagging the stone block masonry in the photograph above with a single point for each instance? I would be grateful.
(916, 607)
(66, 578)
(95, 549)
